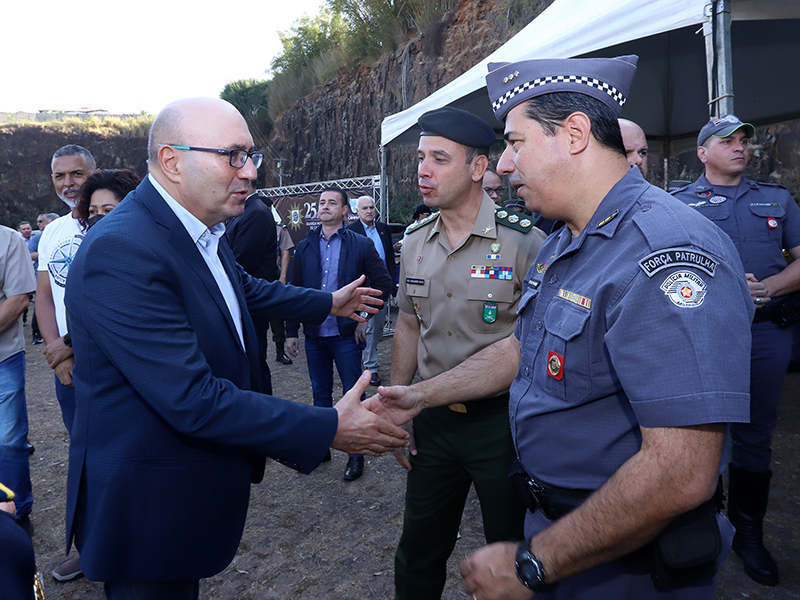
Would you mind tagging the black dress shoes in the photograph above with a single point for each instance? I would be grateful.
(375, 380)
(354, 469)
(282, 358)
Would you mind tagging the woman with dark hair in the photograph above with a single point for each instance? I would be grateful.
(103, 190)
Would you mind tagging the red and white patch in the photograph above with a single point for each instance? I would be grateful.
(772, 223)
(555, 365)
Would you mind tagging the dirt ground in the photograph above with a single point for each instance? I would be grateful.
(317, 536)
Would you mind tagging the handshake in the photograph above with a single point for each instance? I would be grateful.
(373, 427)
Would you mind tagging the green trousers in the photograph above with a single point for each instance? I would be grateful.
(454, 451)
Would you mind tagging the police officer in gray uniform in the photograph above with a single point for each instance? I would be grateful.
(619, 397)
(762, 219)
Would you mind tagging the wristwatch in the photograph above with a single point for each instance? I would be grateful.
(529, 569)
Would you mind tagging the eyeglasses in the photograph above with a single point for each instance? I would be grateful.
(493, 191)
(236, 158)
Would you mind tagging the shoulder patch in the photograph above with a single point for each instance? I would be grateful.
(513, 219)
(425, 221)
(678, 257)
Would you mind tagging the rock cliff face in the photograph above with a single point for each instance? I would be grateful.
(25, 153)
(335, 132)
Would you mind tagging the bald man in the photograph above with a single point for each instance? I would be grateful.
(170, 429)
(635, 144)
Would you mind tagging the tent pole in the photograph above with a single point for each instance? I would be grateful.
(384, 207)
(719, 61)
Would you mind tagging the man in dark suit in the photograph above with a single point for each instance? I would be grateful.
(381, 237)
(253, 237)
(329, 254)
(169, 428)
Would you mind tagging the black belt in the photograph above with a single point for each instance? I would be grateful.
(478, 406)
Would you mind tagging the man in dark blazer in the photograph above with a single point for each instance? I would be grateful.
(253, 238)
(169, 428)
(381, 237)
(330, 254)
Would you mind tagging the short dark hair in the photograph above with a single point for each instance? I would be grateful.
(551, 110)
(342, 194)
(75, 150)
(472, 152)
(117, 181)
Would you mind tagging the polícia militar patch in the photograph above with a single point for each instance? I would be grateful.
(677, 257)
(685, 289)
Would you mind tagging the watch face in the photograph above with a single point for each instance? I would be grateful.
(528, 573)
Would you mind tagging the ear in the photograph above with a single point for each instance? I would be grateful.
(701, 154)
(578, 131)
(478, 167)
(170, 162)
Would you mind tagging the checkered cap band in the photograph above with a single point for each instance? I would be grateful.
(609, 89)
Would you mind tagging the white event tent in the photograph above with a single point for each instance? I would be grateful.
(684, 61)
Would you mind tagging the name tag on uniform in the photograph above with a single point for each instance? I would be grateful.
(411, 281)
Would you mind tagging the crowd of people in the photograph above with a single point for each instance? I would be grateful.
(559, 351)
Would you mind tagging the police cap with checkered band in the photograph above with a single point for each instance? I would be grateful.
(606, 79)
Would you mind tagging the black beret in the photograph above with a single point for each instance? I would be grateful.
(459, 126)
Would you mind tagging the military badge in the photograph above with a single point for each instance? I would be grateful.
(703, 194)
(513, 219)
(555, 365)
(525, 222)
(495, 248)
(684, 289)
(502, 214)
(489, 312)
(717, 199)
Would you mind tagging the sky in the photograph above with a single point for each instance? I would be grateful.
(129, 57)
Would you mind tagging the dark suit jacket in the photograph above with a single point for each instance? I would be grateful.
(253, 237)
(357, 257)
(388, 251)
(166, 431)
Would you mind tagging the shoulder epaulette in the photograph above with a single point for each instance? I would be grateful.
(513, 219)
(680, 189)
(425, 221)
(770, 184)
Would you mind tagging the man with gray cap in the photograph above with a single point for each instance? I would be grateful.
(460, 283)
(762, 219)
(618, 397)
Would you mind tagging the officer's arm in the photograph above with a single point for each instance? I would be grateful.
(675, 470)
(404, 349)
(787, 280)
(485, 373)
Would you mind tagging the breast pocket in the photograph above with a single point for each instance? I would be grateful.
(566, 351)
(490, 303)
(418, 292)
(715, 212)
(767, 221)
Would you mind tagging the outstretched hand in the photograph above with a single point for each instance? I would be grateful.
(350, 300)
(375, 405)
(401, 403)
(361, 431)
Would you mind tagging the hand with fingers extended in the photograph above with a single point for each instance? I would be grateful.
(361, 431)
(401, 403)
(350, 300)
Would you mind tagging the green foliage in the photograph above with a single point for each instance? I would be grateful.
(138, 126)
(308, 39)
(251, 98)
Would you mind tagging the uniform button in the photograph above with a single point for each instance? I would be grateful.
(538, 325)
(489, 295)
(449, 295)
(449, 333)
(553, 278)
(527, 371)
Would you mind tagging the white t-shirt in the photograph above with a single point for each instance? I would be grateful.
(57, 248)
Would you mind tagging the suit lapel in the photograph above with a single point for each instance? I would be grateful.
(187, 250)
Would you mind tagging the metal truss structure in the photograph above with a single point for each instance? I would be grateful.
(371, 181)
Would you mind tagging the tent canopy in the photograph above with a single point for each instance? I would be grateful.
(669, 97)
